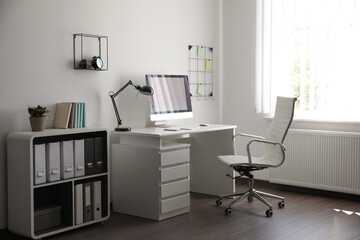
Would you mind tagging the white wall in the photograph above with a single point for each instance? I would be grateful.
(145, 36)
(239, 49)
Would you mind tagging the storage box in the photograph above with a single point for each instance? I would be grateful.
(47, 217)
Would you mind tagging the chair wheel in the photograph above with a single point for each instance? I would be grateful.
(269, 213)
(250, 199)
(281, 204)
(218, 202)
(228, 211)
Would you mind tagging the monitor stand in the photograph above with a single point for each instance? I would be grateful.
(162, 124)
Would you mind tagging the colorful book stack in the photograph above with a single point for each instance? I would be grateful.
(70, 115)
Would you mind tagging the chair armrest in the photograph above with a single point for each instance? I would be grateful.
(283, 149)
(247, 135)
(268, 142)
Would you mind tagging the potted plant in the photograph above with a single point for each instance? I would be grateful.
(37, 117)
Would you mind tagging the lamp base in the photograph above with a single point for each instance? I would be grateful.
(122, 129)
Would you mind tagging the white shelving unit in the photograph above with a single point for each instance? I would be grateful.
(24, 196)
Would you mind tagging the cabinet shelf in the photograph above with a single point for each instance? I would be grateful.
(86, 48)
(69, 180)
(33, 206)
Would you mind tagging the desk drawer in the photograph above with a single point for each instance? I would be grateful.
(175, 188)
(174, 157)
(173, 173)
(175, 203)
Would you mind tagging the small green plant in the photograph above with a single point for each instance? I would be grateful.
(38, 111)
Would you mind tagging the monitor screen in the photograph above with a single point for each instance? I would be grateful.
(171, 98)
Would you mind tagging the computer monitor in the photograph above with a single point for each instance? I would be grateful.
(171, 98)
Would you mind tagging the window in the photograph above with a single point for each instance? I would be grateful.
(311, 49)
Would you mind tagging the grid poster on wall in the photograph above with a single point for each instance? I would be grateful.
(201, 72)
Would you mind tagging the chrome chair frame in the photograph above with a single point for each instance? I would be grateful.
(244, 168)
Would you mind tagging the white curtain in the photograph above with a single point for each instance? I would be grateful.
(310, 49)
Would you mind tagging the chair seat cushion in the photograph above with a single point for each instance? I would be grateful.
(238, 160)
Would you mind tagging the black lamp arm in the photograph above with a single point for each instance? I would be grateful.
(116, 111)
(113, 96)
(146, 90)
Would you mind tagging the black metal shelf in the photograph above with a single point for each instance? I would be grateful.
(88, 46)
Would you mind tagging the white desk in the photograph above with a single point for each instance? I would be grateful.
(141, 157)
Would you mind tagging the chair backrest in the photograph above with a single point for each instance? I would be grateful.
(280, 124)
(278, 129)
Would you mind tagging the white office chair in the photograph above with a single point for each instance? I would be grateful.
(274, 155)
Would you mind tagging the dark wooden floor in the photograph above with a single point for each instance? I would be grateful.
(305, 216)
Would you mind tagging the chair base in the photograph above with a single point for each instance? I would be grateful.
(250, 194)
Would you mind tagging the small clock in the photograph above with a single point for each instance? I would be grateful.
(97, 63)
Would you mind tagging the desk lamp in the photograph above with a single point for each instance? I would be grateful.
(146, 90)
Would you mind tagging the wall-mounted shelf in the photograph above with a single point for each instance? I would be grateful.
(201, 72)
(88, 46)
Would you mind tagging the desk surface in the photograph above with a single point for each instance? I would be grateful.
(164, 132)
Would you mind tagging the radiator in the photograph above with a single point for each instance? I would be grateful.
(326, 160)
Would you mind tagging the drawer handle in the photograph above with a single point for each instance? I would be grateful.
(40, 173)
(68, 169)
